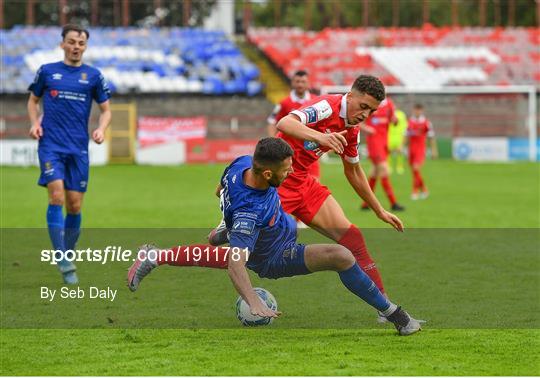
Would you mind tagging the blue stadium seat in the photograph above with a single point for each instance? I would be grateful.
(179, 59)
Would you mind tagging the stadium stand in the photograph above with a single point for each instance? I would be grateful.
(406, 56)
(135, 60)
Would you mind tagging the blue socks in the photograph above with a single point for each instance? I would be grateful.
(63, 234)
(72, 228)
(55, 223)
(362, 286)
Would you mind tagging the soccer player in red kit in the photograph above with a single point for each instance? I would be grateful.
(418, 130)
(327, 123)
(376, 127)
(298, 97)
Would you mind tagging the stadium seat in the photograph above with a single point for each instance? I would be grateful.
(457, 56)
(135, 59)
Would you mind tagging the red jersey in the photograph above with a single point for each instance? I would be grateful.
(380, 120)
(287, 105)
(417, 131)
(326, 114)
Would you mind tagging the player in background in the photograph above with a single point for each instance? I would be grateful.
(67, 89)
(263, 239)
(418, 130)
(376, 127)
(396, 140)
(298, 96)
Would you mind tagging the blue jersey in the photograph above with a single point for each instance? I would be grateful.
(254, 217)
(67, 93)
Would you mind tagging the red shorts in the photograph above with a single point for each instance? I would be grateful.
(377, 151)
(416, 157)
(302, 197)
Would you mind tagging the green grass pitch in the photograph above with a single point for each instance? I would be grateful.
(468, 263)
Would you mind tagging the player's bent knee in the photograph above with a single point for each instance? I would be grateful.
(343, 258)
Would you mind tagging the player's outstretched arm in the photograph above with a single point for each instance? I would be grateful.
(36, 131)
(240, 279)
(367, 129)
(292, 126)
(104, 120)
(357, 178)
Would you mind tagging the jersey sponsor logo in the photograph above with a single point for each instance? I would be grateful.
(310, 145)
(244, 226)
(57, 76)
(54, 93)
(68, 95)
(84, 78)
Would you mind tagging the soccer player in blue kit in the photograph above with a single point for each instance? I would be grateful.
(263, 239)
(67, 89)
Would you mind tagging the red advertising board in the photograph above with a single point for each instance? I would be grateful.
(158, 130)
(218, 151)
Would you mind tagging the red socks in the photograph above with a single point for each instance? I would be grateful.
(353, 240)
(195, 255)
(372, 182)
(385, 181)
(418, 183)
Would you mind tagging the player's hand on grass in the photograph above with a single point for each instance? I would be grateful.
(391, 219)
(335, 141)
(98, 136)
(261, 309)
(36, 131)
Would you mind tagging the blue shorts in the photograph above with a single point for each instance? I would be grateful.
(71, 168)
(287, 263)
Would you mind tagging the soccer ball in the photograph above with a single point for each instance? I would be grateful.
(244, 314)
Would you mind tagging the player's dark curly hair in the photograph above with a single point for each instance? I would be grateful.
(76, 28)
(270, 152)
(371, 86)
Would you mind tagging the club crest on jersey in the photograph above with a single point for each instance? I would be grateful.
(54, 93)
(84, 78)
(49, 170)
(57, 76)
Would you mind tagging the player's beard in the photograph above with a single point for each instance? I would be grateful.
(275, 181)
